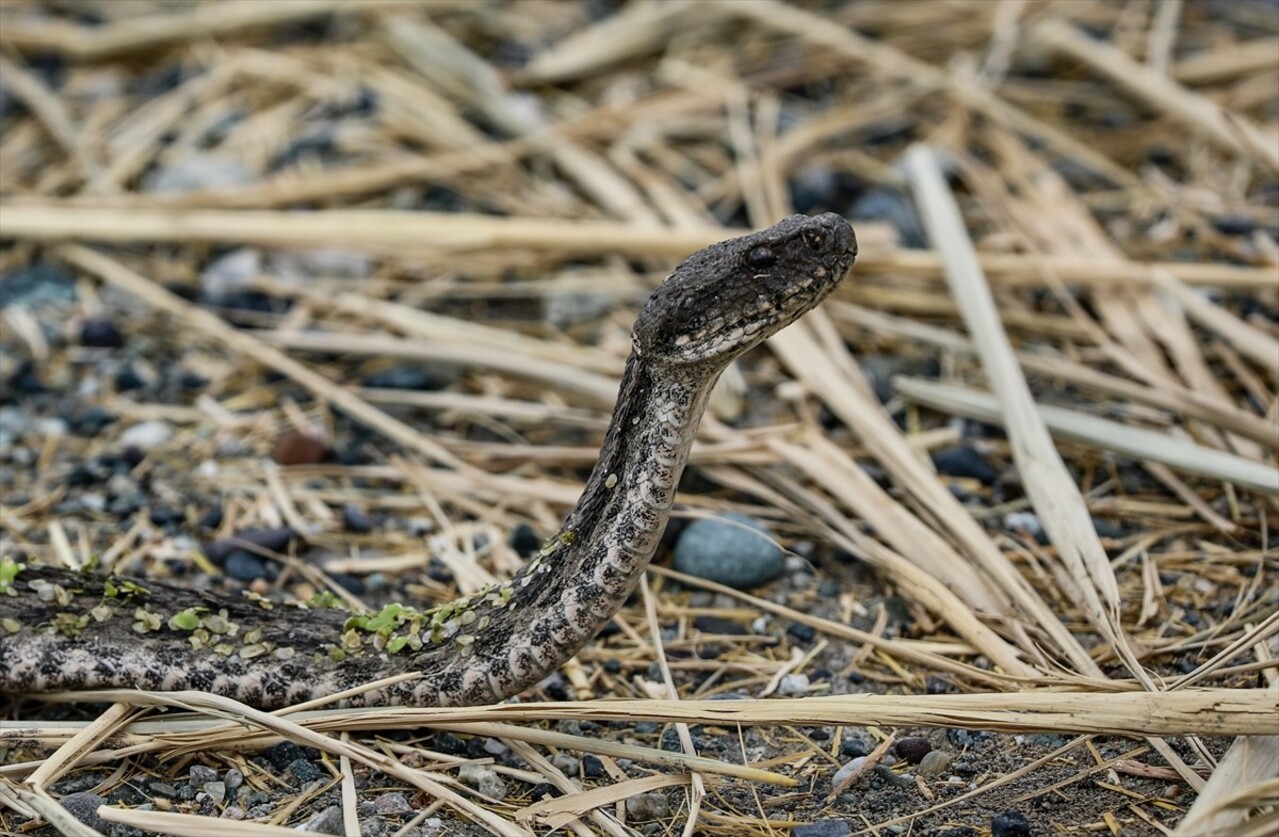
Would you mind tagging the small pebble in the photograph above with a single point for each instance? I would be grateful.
(483, 779)
(245, 566)
(822, 828)
(303, 772)
(328, 821)
(1010, 824)
(852, 747)
(934, 763)
(216, 792)
(913, 750)
(84, 807)
(298, 448)
(233, 778)
(567, 764)
(802, 632)
(198, 775)
(847, 770)
(524, 540)
(965, 461)
(197, 171)
(793, 685)
(163, 789)
(729, 553)
(592, 767)
(392, 804)
(146, 435)
(356, 519)
(100, 333)
(647, 806)
(230, 274)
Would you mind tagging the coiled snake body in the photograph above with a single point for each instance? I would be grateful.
(61, 629)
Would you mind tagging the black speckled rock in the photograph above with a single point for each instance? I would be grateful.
(1010, 824)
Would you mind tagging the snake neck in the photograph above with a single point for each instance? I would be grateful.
(566, 593)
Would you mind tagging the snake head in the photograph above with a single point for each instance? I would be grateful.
(724, 299)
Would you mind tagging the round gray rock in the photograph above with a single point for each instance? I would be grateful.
(730, 551)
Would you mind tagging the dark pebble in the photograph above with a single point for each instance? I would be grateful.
(269, 540)
(592, 767)
(303, 772)
(965, 461)
(821, 674)
(128, 379)
(298, 448)
(24, 381)
(245, 566)
(92, 421)
(612, 666)
(935, 685)
(100, 333)
(524, 540)
(165, 516)
(414, 377)
(199, 775)
(965, 737)
(852, 748)
(163, 789)
(801, 632)
(132, 456)
(670, 740)
(913, 750)
(647, 727)
(84, 807)
(211, 519)
(822, 828)
(449, 744)
(191, 380)
(543, 789)
(1010, 824)
(959, 831)
(356, 519)
(718, 625)
(283, 754)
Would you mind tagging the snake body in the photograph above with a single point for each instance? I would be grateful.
(66, 630)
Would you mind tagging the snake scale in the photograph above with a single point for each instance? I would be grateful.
(65, 630)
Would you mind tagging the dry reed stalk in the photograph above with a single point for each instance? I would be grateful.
(395, 233)
(1177, 453)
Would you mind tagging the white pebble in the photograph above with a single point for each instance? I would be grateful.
(146, 435)
(793, 685)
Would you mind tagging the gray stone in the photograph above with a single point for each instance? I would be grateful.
(198, 776)
(734, 550)
(483, 779)
(822, 828)
(216, 792)
(197, 171)
(328, 821)
(84, 807)
(793, 685)
(392, 804)
(647, 806)
(934, 764)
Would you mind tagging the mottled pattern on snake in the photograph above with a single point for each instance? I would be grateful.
(63, 630)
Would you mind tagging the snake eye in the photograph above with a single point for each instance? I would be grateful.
(761, 257)
(819, 239)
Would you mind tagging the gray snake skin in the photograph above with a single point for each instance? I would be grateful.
(66, 630)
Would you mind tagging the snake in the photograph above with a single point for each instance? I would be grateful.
(64, 629)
